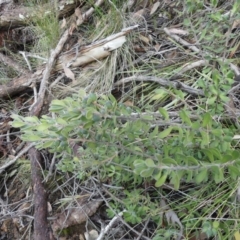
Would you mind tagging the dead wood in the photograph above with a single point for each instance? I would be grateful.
(77, 56)
(41, 228)
(76, 215)
(162, 82)
(10, 62)
(19, 84)
(46, 74)
(81, 55)
(20, 16)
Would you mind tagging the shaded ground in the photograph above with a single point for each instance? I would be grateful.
(148, 54)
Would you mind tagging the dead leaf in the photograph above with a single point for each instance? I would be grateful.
(91, 235)
(11, 157)
(178, 31)
(25, 206)
(144, 39)
(237, 235)
(157, 47)
(76, 215)
(236, 137)
(11, 193)
(4, 226)
(64, 23)
(171, 216)
(139, 14)
(234, 48)
(99, 52)
(4, 111)
(78, 13)
(68, 72)
(81, 237)
(236, 24)
(72, 28)
(154, 7)
(80, 41)
(79, 21)
(128, 103)
(114, 44)
(49, 207)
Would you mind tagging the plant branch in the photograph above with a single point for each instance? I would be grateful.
(197, 50)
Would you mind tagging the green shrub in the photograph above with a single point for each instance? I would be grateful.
(122, 145)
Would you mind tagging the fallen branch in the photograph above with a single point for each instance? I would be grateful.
(188, 67)
(162, 82)
(41, 228)
(19, 84)
(181, 41)
(13, 64)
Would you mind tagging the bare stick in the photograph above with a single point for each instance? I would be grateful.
(57, 80)
(50, 171)
(110, 225)
(190, 66)
(91, 10)
(51, 61)
(145, 226)
(181, 41)
(233, 89)
(25, 58)
(120, 218)
(2, 168)
(33, 85)
(162, 82)
(10, 62)
(238, 191)
(41, 230)
(35, 56)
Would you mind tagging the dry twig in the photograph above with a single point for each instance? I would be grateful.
(162, 82)
(106, 229)
(11, 162)
(10, 62)
(41, 230)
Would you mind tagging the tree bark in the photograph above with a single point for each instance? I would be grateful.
(41, 228)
